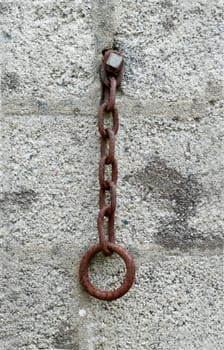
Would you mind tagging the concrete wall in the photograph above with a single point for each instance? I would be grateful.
(170, 150)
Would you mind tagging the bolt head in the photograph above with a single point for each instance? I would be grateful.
(114, 60)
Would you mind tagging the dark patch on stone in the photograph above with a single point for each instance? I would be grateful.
(7, 37)
(56, 249)
(41, 105)
(175, 233)
(197, 10)
(22, 199)
(197, 118)
(125, 222)
(10, 81)
(212, 102)
(53, 10)
(182, 193)
(168, 24)
(4, 8)
(168, 183)
(214, 90)
(76, 111)
(66, 338)
(176, 118)
(166, 4)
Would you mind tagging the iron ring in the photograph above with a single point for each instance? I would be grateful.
(101, 294)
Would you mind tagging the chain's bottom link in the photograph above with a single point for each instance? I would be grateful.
(104, 212)
(101, 294)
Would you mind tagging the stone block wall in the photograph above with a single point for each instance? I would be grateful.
(170, 151)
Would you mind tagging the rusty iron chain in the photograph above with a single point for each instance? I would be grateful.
(111, 75)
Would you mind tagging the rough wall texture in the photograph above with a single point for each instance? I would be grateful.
(170, 149)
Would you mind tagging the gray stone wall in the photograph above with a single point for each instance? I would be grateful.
(171, 176)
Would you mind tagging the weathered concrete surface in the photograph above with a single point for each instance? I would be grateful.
(170, 194)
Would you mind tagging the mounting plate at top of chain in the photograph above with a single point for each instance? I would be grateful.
(112, 65)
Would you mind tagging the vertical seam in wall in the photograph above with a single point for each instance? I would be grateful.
(105, 16)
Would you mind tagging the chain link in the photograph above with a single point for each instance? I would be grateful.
(111, 76)
(101, 115)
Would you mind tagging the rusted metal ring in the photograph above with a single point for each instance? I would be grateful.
(101, 294)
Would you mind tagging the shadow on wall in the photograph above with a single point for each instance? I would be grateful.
(183, 193)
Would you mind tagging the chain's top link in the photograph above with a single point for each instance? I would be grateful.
(112, 66)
